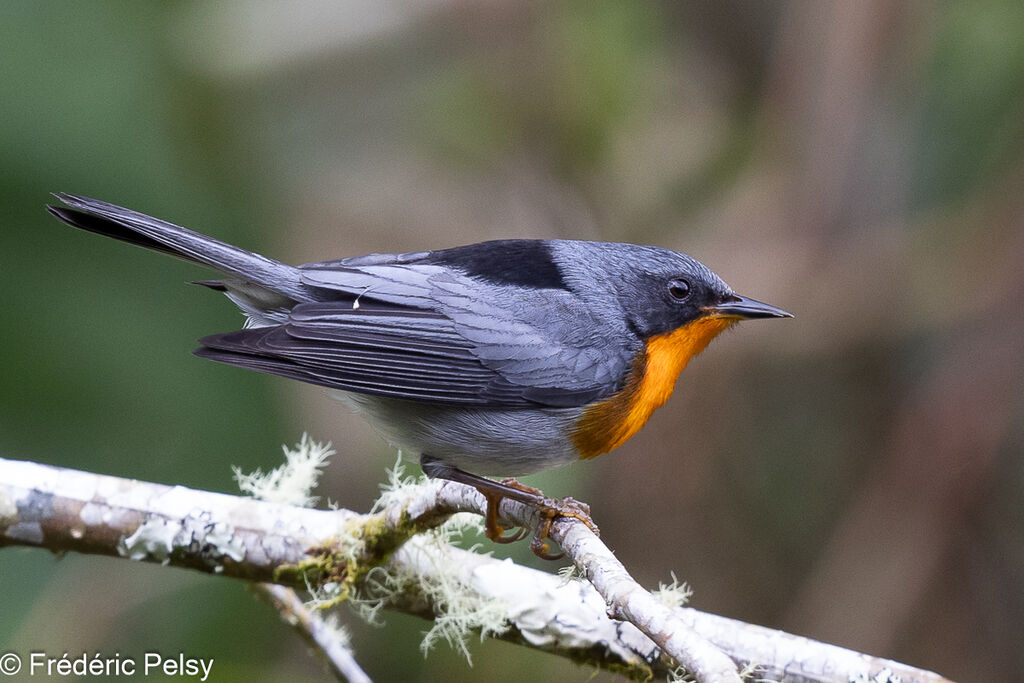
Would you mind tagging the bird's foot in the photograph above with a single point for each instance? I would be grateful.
(552, 509)
(548, 509)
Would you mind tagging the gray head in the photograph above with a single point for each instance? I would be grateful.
(658, 290)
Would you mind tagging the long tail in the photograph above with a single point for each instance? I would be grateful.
(145, 231)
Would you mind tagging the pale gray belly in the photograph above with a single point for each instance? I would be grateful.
(496, 442)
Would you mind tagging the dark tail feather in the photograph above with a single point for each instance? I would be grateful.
(145, 231)
(102, 226)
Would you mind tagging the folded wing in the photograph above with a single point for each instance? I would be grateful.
(387, 350)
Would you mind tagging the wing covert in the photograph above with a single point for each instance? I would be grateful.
(383, 350)
(545, 342)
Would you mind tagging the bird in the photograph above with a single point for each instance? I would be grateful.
(496, 359)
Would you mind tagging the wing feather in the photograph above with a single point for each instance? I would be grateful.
(392, 352)
(402, 326)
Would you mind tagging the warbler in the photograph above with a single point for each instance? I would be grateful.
(500, 358)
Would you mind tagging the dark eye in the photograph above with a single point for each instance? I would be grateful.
(679, 289)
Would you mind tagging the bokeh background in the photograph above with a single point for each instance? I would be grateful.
(854, 474)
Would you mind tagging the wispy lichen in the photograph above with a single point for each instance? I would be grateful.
(430, 569)
(293, 482)
(675, 594)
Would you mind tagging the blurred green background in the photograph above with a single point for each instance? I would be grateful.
(854, 475)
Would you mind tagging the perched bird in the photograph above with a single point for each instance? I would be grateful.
(499, 358)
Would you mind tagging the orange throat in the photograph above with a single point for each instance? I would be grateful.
(608, 424)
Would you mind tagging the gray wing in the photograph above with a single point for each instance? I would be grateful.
(427, 333)
(383, 351)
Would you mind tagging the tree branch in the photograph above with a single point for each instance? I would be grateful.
(321, 635)
(61, 510)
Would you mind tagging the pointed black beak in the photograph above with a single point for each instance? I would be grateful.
(741, 307)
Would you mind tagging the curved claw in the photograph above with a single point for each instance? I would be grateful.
(539, 544)
(495, 531)
(541, 550)
(517, 535)
(551, 509)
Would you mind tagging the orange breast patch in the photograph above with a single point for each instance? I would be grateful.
(608, 424)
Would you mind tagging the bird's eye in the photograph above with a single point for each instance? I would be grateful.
(679, 289)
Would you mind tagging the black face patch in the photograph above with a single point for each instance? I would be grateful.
(525, 263)
(657, 307)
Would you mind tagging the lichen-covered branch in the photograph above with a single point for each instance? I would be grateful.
(629, 601)
(67, 510)
(385, 560)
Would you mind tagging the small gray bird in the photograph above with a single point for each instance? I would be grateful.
(499, 358)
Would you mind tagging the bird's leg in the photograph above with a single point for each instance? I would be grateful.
(491, 490)
(495, 491)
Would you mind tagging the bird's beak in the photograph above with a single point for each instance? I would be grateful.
(744, 308)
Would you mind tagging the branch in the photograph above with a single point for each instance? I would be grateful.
(61, 510)
(325, 637)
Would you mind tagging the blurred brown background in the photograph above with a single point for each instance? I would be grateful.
(854, 475)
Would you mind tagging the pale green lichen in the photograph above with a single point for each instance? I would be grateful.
(750, 672)
(326, 595)
(747, 673)
(459, 610)
(680, 675)
(430, 570)
(353, 568)
(293, 482)
(221, 541)
(675, 594)
(569, 574)
(399, 487)
(156, 539)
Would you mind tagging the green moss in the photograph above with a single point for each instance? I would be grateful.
(364, 543)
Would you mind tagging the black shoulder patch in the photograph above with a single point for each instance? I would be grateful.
(526, 263)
